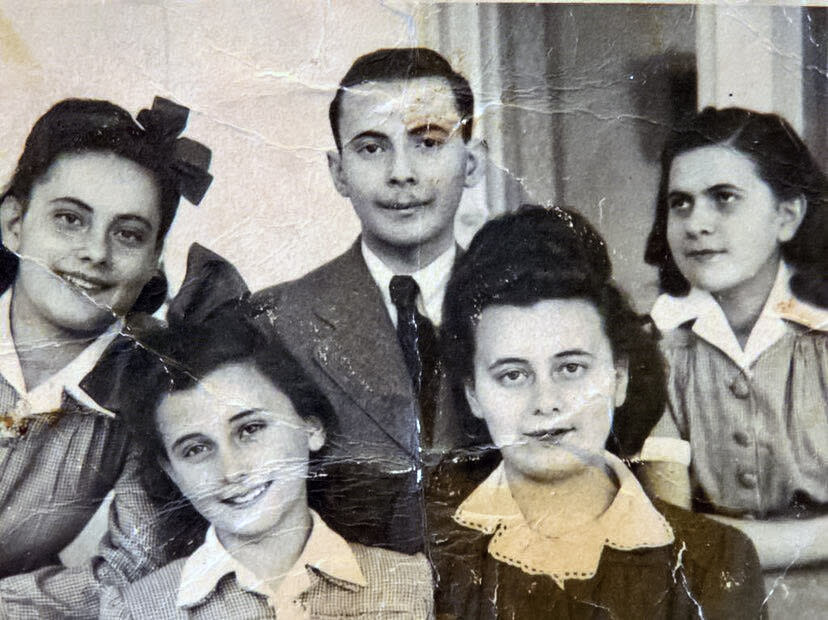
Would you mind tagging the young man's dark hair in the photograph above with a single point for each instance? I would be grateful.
(406, 63)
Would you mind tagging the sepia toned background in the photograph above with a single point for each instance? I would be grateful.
(573, 101)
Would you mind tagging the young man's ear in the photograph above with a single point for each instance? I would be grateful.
(790, 214)
(622, 380)
(11, 218)
(335, 166)
(316, 433)
(476, 153)
(471, 398)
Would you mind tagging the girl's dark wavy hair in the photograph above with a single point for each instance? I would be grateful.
(91, 125)
(781, 160)
(537, 254)
(175, 358)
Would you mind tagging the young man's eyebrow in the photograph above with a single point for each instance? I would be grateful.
(376, 135)
(419, 130)
(78, 203)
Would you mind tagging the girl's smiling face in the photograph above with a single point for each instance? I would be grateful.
(87, 240)
(238, 450)
(725, 226)
(546, 384)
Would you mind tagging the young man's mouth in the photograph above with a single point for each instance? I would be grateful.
(404, 205)
(87, 284)
(247, 497)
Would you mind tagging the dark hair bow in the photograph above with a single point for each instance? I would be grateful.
(211, 288)
(187, 160)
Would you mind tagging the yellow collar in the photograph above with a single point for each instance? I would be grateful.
(630, 522)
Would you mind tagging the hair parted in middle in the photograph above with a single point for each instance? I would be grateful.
(538, 254)
(405, 63)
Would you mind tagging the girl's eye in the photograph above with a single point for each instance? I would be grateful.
(68, 219)
(194, 450)
(726, 197)
(131, 237)
(679, 204)
(571, 370)
(513, 377)
(248, 430)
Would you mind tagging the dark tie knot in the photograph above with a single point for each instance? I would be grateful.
(404, 291)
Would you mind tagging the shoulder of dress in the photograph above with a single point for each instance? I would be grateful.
(679, 337)
(156, 593)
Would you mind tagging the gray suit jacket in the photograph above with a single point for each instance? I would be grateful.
(335, 322)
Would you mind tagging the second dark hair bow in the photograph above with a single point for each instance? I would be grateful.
(188, 160)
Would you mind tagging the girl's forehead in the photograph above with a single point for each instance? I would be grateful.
(713, 165)
(220, 396)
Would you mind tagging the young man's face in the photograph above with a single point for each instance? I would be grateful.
(403, 162)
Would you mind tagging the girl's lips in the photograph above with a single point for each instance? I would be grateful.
(84, 283)
(247, 497)
(552, 435)
(703, 255)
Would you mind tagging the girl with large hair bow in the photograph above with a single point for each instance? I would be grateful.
(83, 225)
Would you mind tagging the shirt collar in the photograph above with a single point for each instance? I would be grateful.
(432, 280)
(48, 396)
(325, 551)
(630, 522)
(710, 322)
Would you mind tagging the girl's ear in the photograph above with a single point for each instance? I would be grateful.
(476, 153)
(471, 398)
(790, 214)
(316, 433)
(622, 380)
(339, 179)
(11, 219)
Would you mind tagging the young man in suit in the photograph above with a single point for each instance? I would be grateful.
(363, 324)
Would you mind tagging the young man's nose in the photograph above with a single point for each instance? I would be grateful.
(401, 169)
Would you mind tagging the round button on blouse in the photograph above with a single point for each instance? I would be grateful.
(748, 480)
(741, 438)
(740, 387)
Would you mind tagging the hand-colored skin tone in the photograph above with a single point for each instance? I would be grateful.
(546, 384)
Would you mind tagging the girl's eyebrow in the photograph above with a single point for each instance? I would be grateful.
(506, 360)
(244, 414)
(184, 439)
(78, 203)
(569, 352)
(721, 186)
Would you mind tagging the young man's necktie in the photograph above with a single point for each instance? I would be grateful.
(418, 341)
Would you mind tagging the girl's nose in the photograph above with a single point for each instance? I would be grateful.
(701, 220)
(548, 398)
(233, 465)
(95, 248)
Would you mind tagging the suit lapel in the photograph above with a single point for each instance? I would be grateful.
(361, 353)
